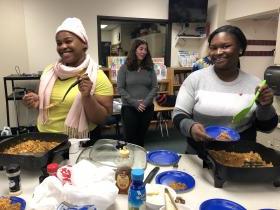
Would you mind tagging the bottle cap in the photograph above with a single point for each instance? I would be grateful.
(124, 152)
(121, 144)
(13, 168)
(52, 167)
(137, 174)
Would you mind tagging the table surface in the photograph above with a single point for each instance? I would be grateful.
(158, 108)
(251, 196)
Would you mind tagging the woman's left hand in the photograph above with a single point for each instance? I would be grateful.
(266, 96)
(141, 106)
(85, 85)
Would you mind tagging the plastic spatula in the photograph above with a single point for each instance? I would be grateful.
(242, 114)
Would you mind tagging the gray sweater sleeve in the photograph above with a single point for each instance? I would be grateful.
(183, 121)
(121, 85)
(182, 113)
(154, 87)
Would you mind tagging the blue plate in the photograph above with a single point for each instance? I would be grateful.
(221, 204)
(167, 177)
(162, 157)
(215, 131)
(15, 199)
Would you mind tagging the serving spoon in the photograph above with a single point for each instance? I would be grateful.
(66, 93)
(242, 114)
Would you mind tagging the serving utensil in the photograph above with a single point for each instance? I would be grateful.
(151, 175)
(242, 114)
(66, 93)
(169, 202)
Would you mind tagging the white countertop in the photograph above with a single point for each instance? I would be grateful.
(251, 196)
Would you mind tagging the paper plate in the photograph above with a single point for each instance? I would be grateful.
(180, 207)
(162, 157)
(221, 204)
(215, 131)
(168, 177)
(155, 195)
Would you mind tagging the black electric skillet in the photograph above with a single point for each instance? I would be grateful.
(222, 173)
(34, 161)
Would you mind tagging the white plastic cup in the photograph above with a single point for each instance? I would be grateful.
(75, 145)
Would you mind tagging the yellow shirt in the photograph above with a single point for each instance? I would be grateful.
(57, 114)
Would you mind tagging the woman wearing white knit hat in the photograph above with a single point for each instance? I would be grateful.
(88, 103)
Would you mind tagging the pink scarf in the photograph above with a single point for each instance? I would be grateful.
(76, 122)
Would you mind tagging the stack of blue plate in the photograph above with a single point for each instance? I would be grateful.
(220, 204)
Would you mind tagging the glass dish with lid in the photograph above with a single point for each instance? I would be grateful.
(115, 153)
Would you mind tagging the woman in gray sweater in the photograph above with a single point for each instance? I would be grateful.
(137, 85)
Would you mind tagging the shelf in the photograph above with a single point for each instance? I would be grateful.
(183, 68)
(23, 77)
(177, 85)
(191, 37)
(162, 92)
(163, 81)
(18, 96)
(19, 92)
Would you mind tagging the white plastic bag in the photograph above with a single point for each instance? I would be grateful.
(89, 185)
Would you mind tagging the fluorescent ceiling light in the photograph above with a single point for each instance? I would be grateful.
(103, 26)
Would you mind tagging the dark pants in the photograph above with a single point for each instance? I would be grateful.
(136, 124)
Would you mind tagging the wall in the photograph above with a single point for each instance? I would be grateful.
(106, 36)
(45, 16)
(259, 30)
(277, 50)
(116, 35)
(190, 44)
(240, 9)
(13, 46)
(255, 9)
(125, 36)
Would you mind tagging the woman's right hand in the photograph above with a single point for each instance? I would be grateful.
(31, 100)
(198, 133)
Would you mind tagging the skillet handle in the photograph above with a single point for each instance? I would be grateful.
(62, 150)
(209, 162)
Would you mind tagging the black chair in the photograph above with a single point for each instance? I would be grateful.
(114, 120)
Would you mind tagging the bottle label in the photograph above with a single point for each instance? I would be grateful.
(14, 184)
(137, 199)
(123, 181)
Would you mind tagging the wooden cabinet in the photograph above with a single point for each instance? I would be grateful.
(178, 75)
(107, 71)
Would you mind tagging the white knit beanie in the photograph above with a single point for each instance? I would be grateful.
(75, 26)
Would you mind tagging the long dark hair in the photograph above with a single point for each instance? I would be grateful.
(236, 32)
(131, 60)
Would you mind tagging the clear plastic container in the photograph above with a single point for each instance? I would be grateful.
(114, 153)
